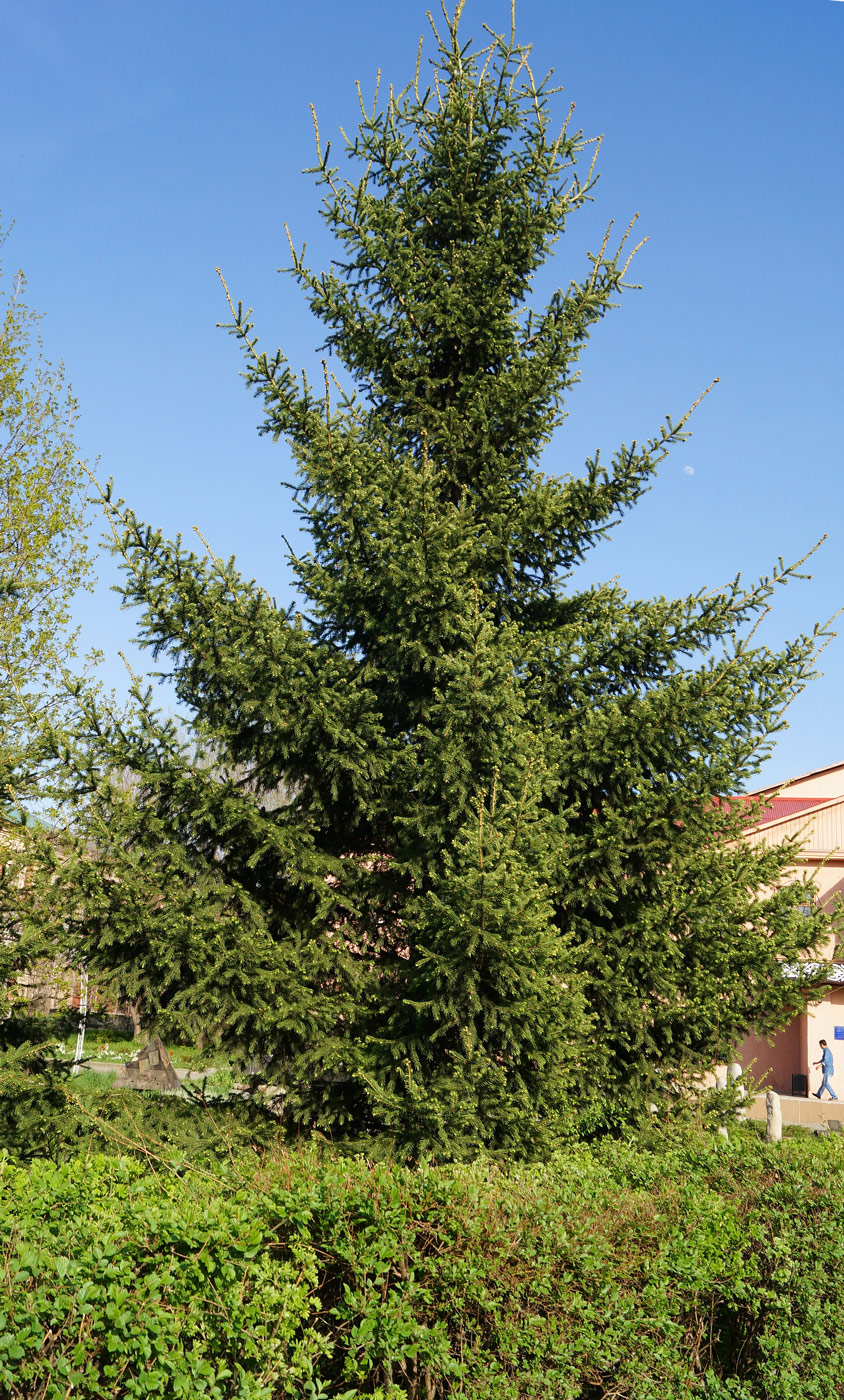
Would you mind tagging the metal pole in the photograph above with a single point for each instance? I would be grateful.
(83, 1017)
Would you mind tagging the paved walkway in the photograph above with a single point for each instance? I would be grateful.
(112, 1066)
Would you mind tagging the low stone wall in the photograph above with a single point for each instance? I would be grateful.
(810, 1113)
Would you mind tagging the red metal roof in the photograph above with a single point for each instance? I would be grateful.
(779, 807)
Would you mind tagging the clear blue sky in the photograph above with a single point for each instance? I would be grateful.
(146, 143)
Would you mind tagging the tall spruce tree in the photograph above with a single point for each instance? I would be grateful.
(457, 856)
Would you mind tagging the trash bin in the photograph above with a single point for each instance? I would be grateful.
(800, 1086)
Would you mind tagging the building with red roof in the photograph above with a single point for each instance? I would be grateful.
(811, 809)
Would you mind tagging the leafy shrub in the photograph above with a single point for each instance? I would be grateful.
(123, 1284)
(613, 1271)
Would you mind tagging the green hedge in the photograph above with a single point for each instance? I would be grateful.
(699, 1269)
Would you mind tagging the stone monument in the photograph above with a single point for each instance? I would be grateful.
(150, 1068)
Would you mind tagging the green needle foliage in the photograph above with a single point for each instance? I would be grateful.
(452, 852)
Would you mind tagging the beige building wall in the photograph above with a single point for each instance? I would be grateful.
(819, 830)
(772, 1066)
(823, 784)
(821, 1023)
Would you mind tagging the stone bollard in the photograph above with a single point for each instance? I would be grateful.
(735, 1072)
(773, 1132)
(721, 1079)
(722, 1132)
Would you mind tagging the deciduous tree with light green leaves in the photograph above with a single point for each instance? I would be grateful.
(505, 885)
(44, 556)
(44, 562)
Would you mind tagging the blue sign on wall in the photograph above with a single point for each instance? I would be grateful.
(839, 1032)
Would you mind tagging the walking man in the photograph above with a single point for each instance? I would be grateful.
(825, 1065)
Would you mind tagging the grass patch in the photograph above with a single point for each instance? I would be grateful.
(89, 1081)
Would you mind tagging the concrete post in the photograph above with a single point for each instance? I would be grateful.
(773, 1132)
(735, 1072)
